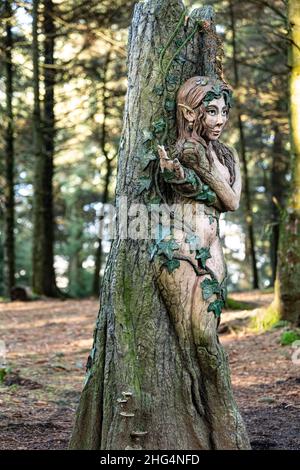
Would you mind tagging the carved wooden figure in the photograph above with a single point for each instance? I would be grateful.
(157, 376)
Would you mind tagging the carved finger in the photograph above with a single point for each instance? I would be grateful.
(178, 169)
(162, 152)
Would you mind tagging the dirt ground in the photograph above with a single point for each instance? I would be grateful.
(47, 344)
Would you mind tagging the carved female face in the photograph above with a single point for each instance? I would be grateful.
(202, 109)
(214, 119)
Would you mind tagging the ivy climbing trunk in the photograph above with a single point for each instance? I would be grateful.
(146, 385)
(287, 286)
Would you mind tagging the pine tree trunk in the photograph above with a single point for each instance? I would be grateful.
(9, 213)
(98, 254)
(49, 136)
(43, 279)
(287, 288)
(147, 387)
(247, 195)
(108, 165)
(279, 169)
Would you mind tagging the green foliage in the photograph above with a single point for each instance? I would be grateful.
(233, 304)
(170, 105)
(288, 337)
(144, 184)
(209, 287)
(3, 373)
(206, 195)
(194, 241)
(4, 370)
(216, 307)
(167, 248)
(159, 90)
(168, 175)
(158, 126)
(172, 265)
(147, 136)
(265, 318)
(203, 254)
(280, 324)
(147, 158)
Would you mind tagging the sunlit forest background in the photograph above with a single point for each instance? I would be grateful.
(62, 91)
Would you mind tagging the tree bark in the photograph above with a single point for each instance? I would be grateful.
(278, 183)
(247, 195)
(146, 387)
(9, 212)
(287, 286)
(43, 279)
(108, 173)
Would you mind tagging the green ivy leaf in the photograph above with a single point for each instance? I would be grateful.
(147, 135)
(180, 59)
(224, 292)
(191, 178)
(170, 105)
(203, 255)
(144, 184)
(168, 175)
(217, 89)
(178, 42)
(158, 89)
(161, 232)
(158, 126)
(172, 265)
(147, 158)
(152, 250)
(167, 248)
(194, 242)
(209, 287)
(171, 79)
(207, 195)
(216, 307)
(154, 200)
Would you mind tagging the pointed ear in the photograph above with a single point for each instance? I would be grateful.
(189, 115)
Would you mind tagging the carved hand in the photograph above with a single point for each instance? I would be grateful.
(167, 164)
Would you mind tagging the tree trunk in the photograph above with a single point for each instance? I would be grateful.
(287, 287)
(98, 254)
(9, 212)
(146, 387)
(43, 279)
(49, 136)
(247, 195)
(279, 169)
(105, 195)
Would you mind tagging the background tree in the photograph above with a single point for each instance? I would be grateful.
(246, 191)
(43, 277)
(9, 209)
(287, 292)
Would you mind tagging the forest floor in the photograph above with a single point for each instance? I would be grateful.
(48, 341)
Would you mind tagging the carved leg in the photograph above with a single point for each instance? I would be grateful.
(205, 358)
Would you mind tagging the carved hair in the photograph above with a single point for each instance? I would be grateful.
(193, 95)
